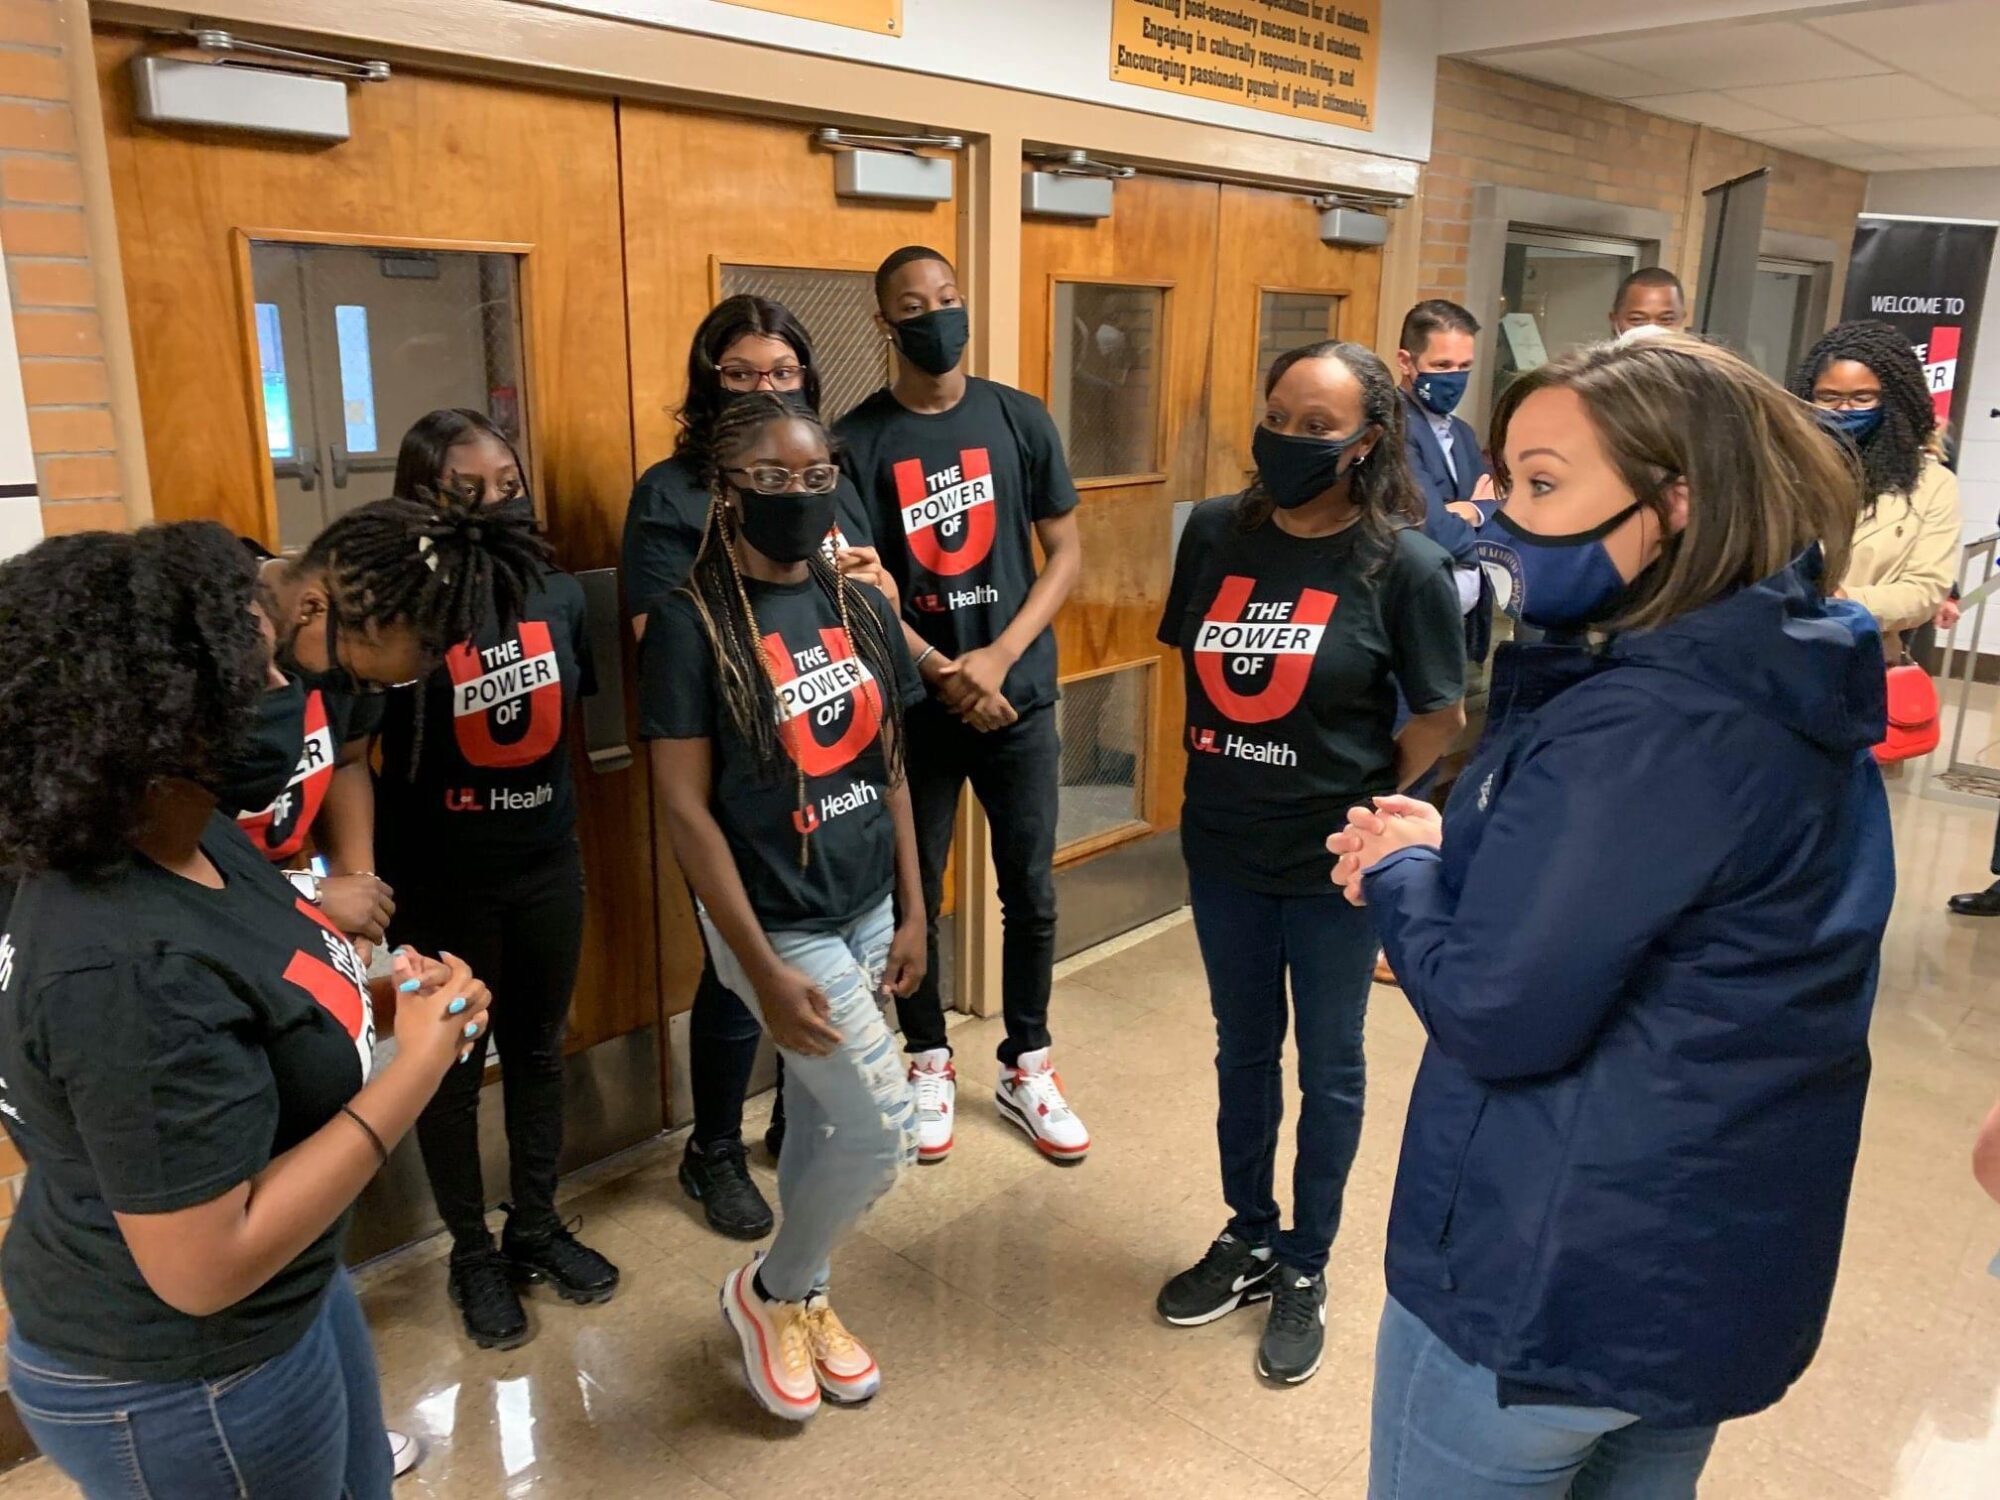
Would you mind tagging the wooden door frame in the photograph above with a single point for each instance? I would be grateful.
(242, 245)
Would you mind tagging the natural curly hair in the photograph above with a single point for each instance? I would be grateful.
(1892, 458)
(124, 658)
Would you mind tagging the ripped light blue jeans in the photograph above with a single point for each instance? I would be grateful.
(851, 1115)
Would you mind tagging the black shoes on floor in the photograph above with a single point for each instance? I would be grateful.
(718, 1178)
(484, 1282)
(1984, 903)
(1232, 1275)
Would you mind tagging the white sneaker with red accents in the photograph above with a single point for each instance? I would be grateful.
(1031, 1095)
(936, 1083)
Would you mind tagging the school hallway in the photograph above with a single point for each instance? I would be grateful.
(1010, 1302)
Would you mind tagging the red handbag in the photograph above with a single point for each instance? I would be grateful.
(1913, 714)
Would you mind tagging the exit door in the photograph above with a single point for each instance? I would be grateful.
(1149, 334)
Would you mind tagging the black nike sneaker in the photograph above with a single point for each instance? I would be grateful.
(1228, 1276)
(718, 1178)
(560, 1261)
(1295, 1333)
(485, 1297)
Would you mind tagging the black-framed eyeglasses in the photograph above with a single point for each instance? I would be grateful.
(776, 479)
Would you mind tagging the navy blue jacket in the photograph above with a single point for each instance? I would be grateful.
(1645, 958)
(1434, 478)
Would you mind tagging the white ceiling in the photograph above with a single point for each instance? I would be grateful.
(1894, 87)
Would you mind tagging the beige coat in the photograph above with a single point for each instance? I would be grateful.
(1905, 557)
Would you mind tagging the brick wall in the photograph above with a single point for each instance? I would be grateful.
(49, 271)
(1493, 128)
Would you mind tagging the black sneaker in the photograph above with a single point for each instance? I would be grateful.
(573, 1270)
(774, 1139)
(1229, 1275)
(718, 1178)
(1295, 1334)
(485, 1296)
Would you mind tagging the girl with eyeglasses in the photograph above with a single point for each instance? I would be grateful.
(772, 689)
(746, 346)
(476, 760)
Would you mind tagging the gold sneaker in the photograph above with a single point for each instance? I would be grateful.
(847, 1372)
(777, 1346)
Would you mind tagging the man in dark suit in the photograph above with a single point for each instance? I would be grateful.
(1435, 361)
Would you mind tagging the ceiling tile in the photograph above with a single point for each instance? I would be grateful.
(1884, 96)
(1955, 45)
(1722, 57)
(1578, 70)
(1868, 159)
(1923, 136)
(1719, 110)
(1809, 139)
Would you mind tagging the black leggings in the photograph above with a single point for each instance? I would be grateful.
(522, 935)
(722, 1051)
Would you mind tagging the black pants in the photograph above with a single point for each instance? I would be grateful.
(523, 935)
(1015, 774)
(722, 1050)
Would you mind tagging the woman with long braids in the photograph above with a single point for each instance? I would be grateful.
(187, 1043)
(1299, 607)
(772, 689)
(746, 346)
(1868, 382)
(476, 761)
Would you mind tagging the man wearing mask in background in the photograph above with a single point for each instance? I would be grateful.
(1434, 359)
(1650, 296)
(960, 478)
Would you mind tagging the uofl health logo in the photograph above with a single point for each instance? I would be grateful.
(1254, 659)
(506, 701)
(820, 689)
(948, 516)
(279, 830)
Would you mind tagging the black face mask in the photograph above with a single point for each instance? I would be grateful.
(934, 341)
(1296, 471)
(787, 528)
(519, 507)
(251, 777)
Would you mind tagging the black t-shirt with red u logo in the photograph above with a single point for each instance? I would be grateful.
(951, 501)
(1292, 650)
(830, 708)
(492, 775)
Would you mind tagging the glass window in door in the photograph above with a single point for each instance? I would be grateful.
(355, 343)
(1555, 294)
(1785, 308)
(1104, 384)
(1287, 321)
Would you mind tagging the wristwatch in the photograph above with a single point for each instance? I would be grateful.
(306, 882)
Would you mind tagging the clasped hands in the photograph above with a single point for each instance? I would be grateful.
(1374, 833)
(969, 686)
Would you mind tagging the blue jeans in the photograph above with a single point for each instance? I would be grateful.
(1248, 943)
(306, 1425)
(1440, 1430)
(851, 1115)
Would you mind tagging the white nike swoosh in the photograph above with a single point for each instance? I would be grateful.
(1247, 1281)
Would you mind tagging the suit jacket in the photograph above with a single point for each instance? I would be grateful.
(1435, 478)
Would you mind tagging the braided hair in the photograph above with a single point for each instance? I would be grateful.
(124, 657)
(1893, 455)
(731, 319)
(746, 678)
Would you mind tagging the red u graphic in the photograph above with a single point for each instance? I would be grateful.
(1290, 669)
(531, 684)
(864, 715)
(926, 515)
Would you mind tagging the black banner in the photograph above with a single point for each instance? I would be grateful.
(1928, 278)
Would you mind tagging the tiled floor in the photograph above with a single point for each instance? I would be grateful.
(1010, 1302)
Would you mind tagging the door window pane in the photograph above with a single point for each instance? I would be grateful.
(365, 341)
(1780, 319)
(837, 309)
(1105, 384)
(1286, 321)
(277, 399)
(1103, 723)
(1555, 294)
(357, 378)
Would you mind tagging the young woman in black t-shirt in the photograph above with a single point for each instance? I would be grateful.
(745, 346)
(476, 763)
(773, 690)
(1299, 608)
(186, 1044)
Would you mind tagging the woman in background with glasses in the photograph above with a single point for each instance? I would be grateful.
(745, 346)
(476, 761)
(1866, 380)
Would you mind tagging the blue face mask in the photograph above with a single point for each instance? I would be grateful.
(1858, 424)
(1553, 582)
(1441, 390)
